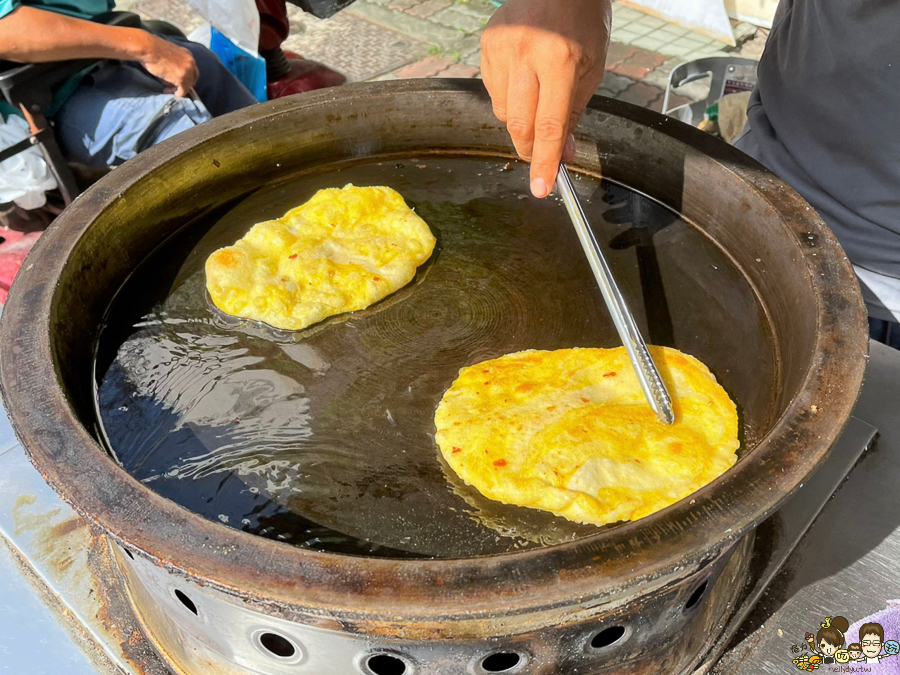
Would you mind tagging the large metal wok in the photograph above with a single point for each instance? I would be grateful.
(639, 597)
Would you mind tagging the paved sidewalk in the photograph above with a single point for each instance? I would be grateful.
(387, 39)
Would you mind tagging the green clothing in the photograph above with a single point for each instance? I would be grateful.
(81, 9)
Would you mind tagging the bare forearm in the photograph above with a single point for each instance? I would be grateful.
(30, 35)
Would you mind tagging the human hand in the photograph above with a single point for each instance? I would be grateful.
(541, 61)
(170, 63)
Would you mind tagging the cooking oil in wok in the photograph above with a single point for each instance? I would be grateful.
(324, 438)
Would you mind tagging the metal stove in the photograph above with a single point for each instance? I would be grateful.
(63, 611)
(145, 585)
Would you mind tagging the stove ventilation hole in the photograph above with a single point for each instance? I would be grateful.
(186, 601)
(385, 664)
(696, 596)
(277, 645)
(607, 637)
(501, 662)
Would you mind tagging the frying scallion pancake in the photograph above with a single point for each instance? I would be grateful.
(570, 432)
(343, 250)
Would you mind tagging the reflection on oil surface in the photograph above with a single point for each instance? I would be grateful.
(324, 438)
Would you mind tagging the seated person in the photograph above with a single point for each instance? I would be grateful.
(289, 73)
(136, 98)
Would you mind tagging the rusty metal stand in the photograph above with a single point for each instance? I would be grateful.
(777, 537)
(846, 563)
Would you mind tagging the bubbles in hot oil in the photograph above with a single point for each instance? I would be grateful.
(334, 425)
(232, 415)
(325, 438)
(460, 322)
(520, 527)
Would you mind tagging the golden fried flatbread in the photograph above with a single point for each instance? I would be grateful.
(570, 432)
(341, 251)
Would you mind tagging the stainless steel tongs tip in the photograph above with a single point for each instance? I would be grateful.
(648, 374)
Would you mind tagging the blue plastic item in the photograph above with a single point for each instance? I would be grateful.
(249, 69)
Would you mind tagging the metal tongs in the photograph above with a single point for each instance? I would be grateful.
(647, 372)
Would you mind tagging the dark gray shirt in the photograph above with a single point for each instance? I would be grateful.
(825, 117)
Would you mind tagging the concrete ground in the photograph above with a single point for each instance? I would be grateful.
(387, 39)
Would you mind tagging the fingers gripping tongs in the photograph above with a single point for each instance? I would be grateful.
(647, 372)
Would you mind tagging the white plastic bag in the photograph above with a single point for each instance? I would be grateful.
(24, 177)
(704, 16)
(238, 20)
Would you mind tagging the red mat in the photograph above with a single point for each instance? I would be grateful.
(13, 249)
